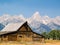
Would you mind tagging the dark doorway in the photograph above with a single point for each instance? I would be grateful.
(12, 37)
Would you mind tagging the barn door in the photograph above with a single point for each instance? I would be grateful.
(12, 37)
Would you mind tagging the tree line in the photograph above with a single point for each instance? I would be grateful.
(53, 34)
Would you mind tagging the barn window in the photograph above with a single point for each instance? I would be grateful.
(4, 36)
(20, 36)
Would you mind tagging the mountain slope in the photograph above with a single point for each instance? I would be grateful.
(1, 26)
(39, 27)
(54, 26)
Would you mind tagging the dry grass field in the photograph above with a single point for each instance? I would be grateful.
(47, 42)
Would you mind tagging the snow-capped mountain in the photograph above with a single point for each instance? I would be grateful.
(53, 26)
(56, 20)
(39, 27)
(5, 19)
(42, 19)
(36, 16)
(37, 22)
(46, 20)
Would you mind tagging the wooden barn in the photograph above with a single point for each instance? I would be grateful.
(19, 32)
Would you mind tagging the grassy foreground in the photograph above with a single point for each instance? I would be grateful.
(47, 42)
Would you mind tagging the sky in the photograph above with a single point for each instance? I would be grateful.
(28, 7)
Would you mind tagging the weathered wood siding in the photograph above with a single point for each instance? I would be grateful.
(12, 37)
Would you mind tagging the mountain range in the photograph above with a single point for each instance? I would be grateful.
(38, 23)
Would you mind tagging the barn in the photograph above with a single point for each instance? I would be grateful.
(19, 32)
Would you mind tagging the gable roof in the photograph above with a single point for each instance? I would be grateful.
(11, 27)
